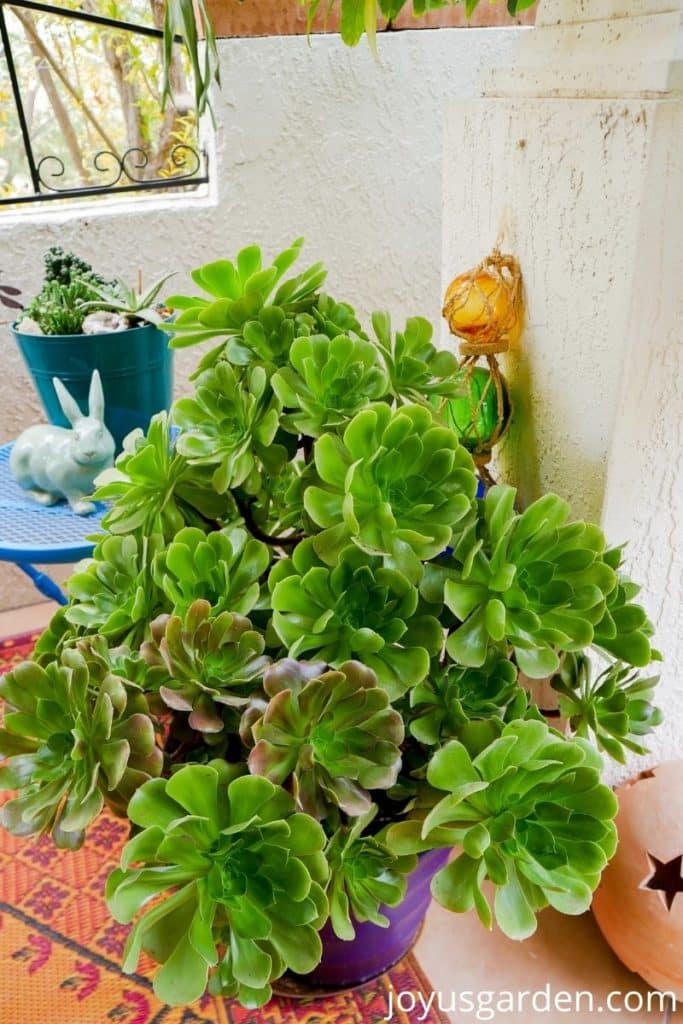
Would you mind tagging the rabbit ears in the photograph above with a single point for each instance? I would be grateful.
(70, 405)
(96, 397)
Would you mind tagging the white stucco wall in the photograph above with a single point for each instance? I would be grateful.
(312, 140)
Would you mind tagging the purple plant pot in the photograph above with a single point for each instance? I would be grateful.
(374, 950)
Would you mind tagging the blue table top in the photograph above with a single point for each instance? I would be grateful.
(30, 532)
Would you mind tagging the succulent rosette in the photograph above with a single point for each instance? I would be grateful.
(237, 877)
(616, 707)
(529, 813)
(330, 317)
(76, 736)
(239, 293)
(452, 697)
(111, 593)
(329, 739)
(624, 631)
(417, 370)
(396, 484)
(58, 634)
(358, 609)
(204, 664)
(531, 581)
(327, 381)
(267, 338)
(154, 490)
(230, 425)
(223, 568)
(364, 876)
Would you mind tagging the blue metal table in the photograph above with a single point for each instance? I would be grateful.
(50, 535)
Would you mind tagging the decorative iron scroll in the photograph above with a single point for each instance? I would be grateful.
(128, 165)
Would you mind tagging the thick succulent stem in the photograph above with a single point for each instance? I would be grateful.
(255, 530)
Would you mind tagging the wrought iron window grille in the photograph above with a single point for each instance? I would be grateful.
(126, 166)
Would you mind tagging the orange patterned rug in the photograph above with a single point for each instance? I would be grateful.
(60, 951)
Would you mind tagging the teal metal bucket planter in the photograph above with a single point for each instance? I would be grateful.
(136, 367)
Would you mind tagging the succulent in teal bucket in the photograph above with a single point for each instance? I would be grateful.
(130, 352)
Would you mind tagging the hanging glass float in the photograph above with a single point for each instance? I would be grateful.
(483, 306)
(483, 309)
(481, 415)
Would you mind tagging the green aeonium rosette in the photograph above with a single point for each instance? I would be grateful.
(364, 877)
(396, 484)
(451, 697)
(615, 707)
(330, 739)
(529, 813)
(223, 568)
(112, 592)
(357, 609)
(239, 293)
(238, 880)
(417, 371)
(327, 381)
(230, 426)
(267, 338)
(155, 491)
(76, 736)
(532, 581)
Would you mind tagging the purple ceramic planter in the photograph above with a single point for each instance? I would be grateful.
(376, 949)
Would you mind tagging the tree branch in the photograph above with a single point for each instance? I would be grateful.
(61, 113)
(32, 33)
(118, 59)
(117, 56)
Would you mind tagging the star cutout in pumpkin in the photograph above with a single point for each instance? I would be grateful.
(666, 878)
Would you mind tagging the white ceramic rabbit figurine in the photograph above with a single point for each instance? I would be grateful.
(54, 462)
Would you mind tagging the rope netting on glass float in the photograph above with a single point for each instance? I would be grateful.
(483, 309)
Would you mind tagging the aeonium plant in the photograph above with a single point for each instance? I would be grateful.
(300, 655)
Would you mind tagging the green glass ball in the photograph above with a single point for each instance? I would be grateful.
(457, 412)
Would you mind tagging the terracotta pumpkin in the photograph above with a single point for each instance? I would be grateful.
(639, 905)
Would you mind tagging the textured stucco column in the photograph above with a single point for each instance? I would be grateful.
(644, 493)
(574, 151)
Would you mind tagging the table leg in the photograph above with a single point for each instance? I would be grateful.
(42, 582)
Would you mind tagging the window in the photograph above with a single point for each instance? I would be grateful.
(81, 111)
